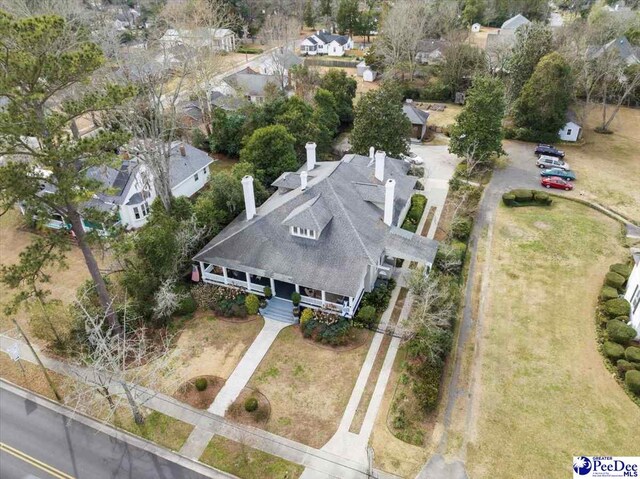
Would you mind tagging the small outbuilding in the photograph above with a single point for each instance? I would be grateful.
(360, 68)
(475, 28)
(417, 117)
(571, 131)
(369, 75)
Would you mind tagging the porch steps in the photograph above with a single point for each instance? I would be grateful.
(279, 310)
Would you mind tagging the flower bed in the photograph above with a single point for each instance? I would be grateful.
(225, 301)
(418, 203)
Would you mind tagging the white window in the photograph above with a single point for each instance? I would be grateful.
(136, 212)
(303, 232)
(195, 177)
(145, 209)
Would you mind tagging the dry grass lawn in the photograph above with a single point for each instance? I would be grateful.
(545, 394)
(208, 346)
(608, 166)
(63, 283)
(443, 118)
(308, 386)
(246, 462)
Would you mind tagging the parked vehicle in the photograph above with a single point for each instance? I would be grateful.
(551, 162)
(412, 158)
(567, 175)
(556, 182)
(549, 150)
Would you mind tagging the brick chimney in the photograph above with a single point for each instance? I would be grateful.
(125, 155)
(183, 150)
(389, 197)
(249, 198)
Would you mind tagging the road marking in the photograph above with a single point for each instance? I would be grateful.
(34, 462)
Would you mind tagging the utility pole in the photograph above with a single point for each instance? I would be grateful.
(44, 370)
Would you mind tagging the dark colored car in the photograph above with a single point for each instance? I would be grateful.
(568, 175)
(555, 182)
(549, 150)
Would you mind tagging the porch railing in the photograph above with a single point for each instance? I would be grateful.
(257, 287)
(217, 278)
(311, 301)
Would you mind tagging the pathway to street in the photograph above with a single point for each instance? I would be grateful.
(200, 437)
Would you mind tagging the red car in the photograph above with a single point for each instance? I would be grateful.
(556, 182)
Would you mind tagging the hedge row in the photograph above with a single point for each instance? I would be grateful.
(522, 197)
(418, 203)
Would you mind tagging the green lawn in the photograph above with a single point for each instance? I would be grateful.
(246, 462)
(545, 393)
(159, 428)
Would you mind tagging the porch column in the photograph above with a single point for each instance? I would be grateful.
(224, 273)
(248, 281)
(298, 288)
(273, 286)
(351, 301)
(322, 297)
(201, 270)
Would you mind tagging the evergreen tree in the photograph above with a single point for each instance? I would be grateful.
(473, 11)
(348, 16)
(381, 123)
(476, 135)
(343, 88)
(326, 117)
(533, 41)
(308, 15)
(226, 132)
(270, 150)
(542, 106)
(43, 62)
(298, 119)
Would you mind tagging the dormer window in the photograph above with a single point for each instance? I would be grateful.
(303, 232)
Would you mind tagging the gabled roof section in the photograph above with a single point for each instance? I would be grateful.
(326, 38)
(250, 82)
(312, 215)
(514, 22)
(182, 167)
(370, 192)
(416, 115)
(409, 246)
(289, 180)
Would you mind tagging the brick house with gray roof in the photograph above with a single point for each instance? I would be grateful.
(329, 232)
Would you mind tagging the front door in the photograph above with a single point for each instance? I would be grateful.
(284, 290)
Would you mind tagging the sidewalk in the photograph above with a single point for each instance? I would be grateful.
(322, 462)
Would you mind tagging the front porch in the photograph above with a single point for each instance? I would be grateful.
(309, 297)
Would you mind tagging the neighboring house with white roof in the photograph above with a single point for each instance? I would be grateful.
(323, 43)
(632, 293)
(128, 191)
(514, 23)
(329, 232)
(216, 38)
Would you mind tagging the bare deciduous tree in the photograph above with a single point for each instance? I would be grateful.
(115, 364)
(279, 32)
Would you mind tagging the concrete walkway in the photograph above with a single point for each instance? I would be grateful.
(200, 437)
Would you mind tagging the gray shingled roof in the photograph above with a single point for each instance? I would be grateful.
(289, 180)
(416, 115)
(313, 215)
(182, 167)
(250, 82)
(515, 22)
(621, 45)
(328, 38)
(350, 244)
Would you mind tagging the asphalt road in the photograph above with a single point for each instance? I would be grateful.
(38, 442)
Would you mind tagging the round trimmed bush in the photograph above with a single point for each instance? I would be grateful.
(614, 280)
(608, 293)
(542, 198)
(623, 366)
(617, 307)
(306, 316)
(632, 353)
(252, 303)
(201, 384)
(509, 199)
(366, 315)
(622, 269)
(523, 195)
(620, 332)
(295, 298)
(251, 404)
(632, 380)
(614, 351)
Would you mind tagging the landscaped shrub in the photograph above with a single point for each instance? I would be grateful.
(248, 50)
(617, 307)
(542, 197)
(450, 257)
(327, 328)
(427, 386)
(267, 292)
(419, 186)
(614, 280)
(622, 269)
(632, 380)
(623, 366)
(252, 304)
(632, 353)
(295, 298)
(522, 197)
(201, 384)
(251, 404)
(418, 203)
(186, 306)
(614, 351)
(261, 414)
(379, 297)
(619, 332)
(416, 171)
(306, 316)
(367, 316)
(608, 293)
(461, 228)
(509, 199)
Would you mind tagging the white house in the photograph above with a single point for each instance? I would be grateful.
(129, 191)
(323, 43)
(328, 233)
(215, 38)
(571, 131)
(633, 293)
